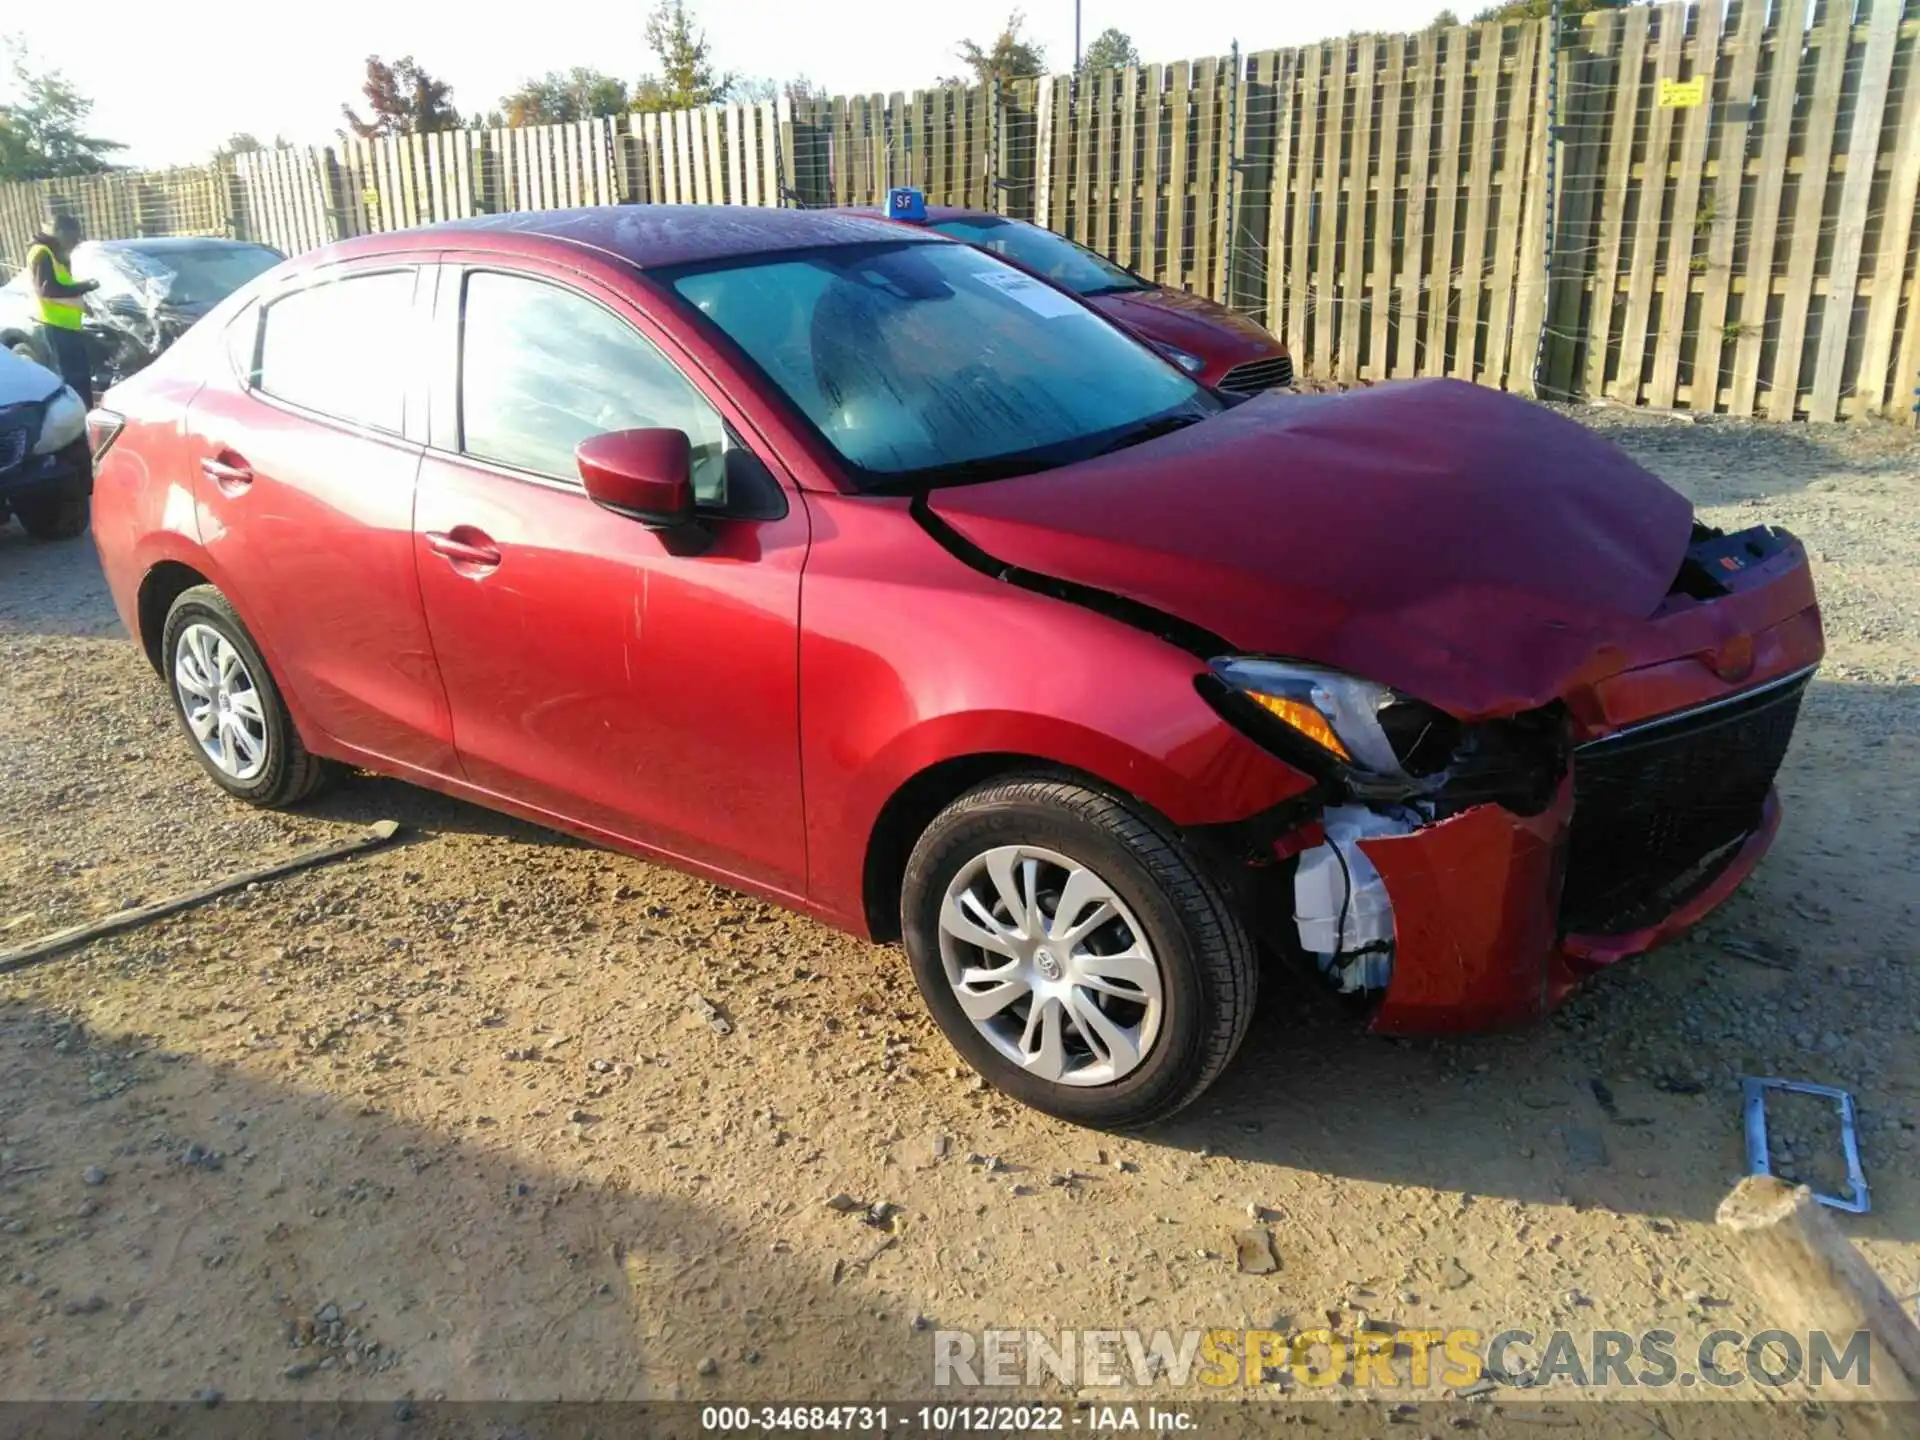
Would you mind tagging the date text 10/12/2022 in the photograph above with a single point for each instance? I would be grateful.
(946, 1419)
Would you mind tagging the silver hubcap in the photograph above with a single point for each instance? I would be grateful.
(220, 701)
(1050, 965)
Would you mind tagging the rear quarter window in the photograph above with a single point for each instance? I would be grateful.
(340, 348)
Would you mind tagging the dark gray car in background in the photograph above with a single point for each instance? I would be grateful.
(150, 291)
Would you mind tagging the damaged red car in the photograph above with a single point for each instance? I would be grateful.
(851, 567)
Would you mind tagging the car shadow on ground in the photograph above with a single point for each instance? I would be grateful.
(178, 1224)
(361, 798)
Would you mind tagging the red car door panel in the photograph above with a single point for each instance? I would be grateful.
(596, 674)
(311, 522)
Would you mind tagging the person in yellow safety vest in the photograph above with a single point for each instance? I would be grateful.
(58, 294)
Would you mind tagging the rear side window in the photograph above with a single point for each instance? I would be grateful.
(542, 368)
(340, 348)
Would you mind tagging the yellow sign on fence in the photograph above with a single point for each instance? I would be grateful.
(1683, 94)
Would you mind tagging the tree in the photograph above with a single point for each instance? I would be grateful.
(1445, 20)
(687, 78)
(1009, 57)
(764, 88)
(42, 133)
(402, 99)
(243, 142)
(560, 96)
(1541, 9)
(1111, 49)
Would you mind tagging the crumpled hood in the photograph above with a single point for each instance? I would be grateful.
(1465, 546)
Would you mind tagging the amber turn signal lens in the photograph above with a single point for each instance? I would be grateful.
(1304, 718)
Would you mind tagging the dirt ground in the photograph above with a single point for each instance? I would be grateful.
(447, 1120)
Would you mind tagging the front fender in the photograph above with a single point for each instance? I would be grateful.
(910, 660)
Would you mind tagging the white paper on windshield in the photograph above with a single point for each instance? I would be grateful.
(1043, 300)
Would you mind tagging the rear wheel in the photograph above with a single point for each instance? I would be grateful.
(1074, 954)
(230, 707)
(52, 519)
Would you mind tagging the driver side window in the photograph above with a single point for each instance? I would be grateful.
(543, 368)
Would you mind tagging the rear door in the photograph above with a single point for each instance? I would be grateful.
(593, 672)
(307, 458)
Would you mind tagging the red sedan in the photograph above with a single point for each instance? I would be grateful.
(1218, 346)
(851, 567)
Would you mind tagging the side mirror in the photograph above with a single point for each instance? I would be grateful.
(646, 475)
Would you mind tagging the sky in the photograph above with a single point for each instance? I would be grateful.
(172, 80)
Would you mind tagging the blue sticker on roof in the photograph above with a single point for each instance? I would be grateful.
(907, 203)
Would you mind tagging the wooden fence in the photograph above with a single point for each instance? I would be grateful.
(1708, 207)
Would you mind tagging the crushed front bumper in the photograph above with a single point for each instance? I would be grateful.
(1667, 805)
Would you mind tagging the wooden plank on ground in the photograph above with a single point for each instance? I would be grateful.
(1521, 120)
(1442, 271)
(1877, 395)
(1870, 84)
(1810, 1278)
(1834, 37)
(1469, 335)
(1627, 94)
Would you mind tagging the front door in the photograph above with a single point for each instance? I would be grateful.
(593, 673)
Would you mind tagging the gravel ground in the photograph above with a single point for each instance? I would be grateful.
(454, 1119)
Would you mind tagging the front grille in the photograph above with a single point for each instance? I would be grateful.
(1660, 809)
(13, 448)
(1258, 375)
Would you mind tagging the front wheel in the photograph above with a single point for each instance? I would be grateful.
(1073, 952)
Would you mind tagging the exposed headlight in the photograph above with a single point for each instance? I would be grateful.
(1185, 359)
(63, 422)
(1365, 726)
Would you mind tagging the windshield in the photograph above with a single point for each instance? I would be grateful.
(921, 363)
(1070, 266)
(197, 275)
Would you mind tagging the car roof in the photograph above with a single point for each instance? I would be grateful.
(648, 236)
